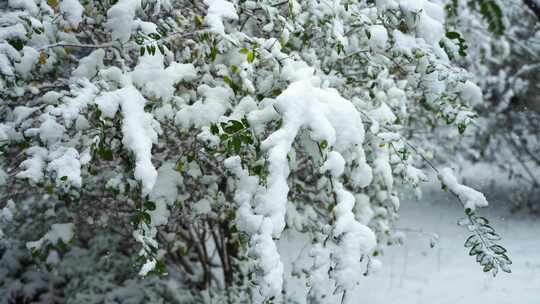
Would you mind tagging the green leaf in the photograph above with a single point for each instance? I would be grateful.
(199, 21)
(461, 128)
(154, 36)
(486, 229)
(492, 236)
(180, 166)
(105, 154)
(247, 139)
(214, 129)
(149, 205)
(497, 249)
(35, 253)
(505, 258)
(506, 268)
(444, 187)
(161, 269)
(223, 137)
(245, 122)
(480, 220)
(324, 144)
(480, 257)
(233, 126)
(236, 142)
(18, 44)
(471, 241)
(476, 249)
(146, 217)
(250, 57)
(142, 51)
(63, 178)
(453, 35)
(213, 53)
(62, 246)
(49, 189)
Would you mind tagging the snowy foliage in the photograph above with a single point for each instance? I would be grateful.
(198, 131)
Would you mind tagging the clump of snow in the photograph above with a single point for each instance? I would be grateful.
(334, 163)
(16, 31)
(21, 113)
(386, 4)
(404, 43)
(470, 198)
(28, 5)
(269, 260)
(378, 36)
(297, 71)
(33, 166)
(50, 131)
(259, 227)
(58, 232)
(424, 17)
(72, 106)
(381, 167)
(383, 114)
(323, 112)
(362, 175)
(27, 62)
(356, 239)
(217, 11)
(147, 267)
(202, 207)
(319, 281)
(90, 65)
(471, 93)
(51, 97)
(156, 81)
(120, 19)
(73, 11)
(211, 107)
(164, 193)
(138, 128)
(67, 167)
(7, 212)
(364, 212)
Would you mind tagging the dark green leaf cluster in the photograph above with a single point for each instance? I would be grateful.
(233, 134)
(149, 43)
(490, 255)
(460, 42)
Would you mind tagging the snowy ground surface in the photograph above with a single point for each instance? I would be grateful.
(416, 273)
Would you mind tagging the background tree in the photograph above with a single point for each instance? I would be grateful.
(506, 67)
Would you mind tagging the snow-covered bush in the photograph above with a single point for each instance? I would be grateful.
(203, 129)
(505, 63)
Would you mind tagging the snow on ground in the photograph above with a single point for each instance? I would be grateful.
(416, 273)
